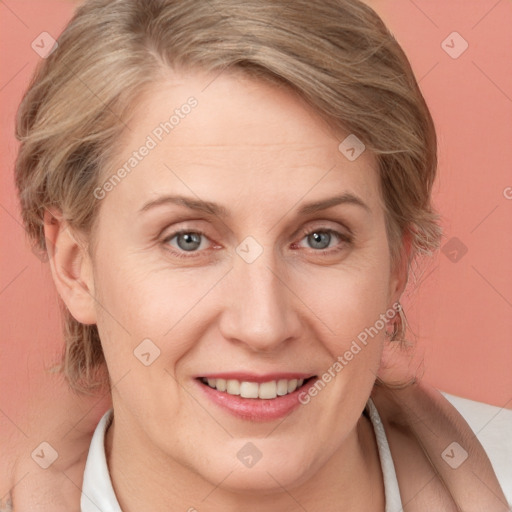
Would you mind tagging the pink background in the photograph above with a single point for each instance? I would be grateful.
(460, 311)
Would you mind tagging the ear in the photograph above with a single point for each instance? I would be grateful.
(398, 364)
(71, 267)
(400, 271)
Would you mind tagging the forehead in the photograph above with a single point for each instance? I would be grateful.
(232, 135)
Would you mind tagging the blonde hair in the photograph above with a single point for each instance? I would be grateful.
(336, 54)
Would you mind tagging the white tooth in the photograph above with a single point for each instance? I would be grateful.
(211, 382)
(233, 387)
(299, 383)
(221, 384)
(292, 385)
(282, 387)
(249, 389)
(268, 390)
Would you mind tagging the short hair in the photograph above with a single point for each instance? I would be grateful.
(335, 54)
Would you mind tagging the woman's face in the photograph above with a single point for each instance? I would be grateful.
(281, 265)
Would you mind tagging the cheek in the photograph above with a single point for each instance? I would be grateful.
(134, 299)
(348, 302)
(137, 302)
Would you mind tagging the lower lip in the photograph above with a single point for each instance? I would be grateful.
(256, 409)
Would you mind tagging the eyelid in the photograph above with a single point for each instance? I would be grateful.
(343, 240)
(331, 231)
(184, 225)
(182, 253)
(182, 231)
(340, 229)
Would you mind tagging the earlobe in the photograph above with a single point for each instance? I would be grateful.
(71, 267)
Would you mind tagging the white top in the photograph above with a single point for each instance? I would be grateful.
(391, 490)
(492, 426)
(97, 492)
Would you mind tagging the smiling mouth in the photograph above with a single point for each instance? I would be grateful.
(264, 390)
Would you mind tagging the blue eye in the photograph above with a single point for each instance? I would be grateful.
(188, 241)
(187, 244)
(319, 239)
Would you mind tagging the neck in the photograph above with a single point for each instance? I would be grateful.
(350, 480)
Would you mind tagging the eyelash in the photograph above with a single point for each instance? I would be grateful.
(182, 254)
(342, 237)
(348, 239)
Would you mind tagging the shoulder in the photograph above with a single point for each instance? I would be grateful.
(492, 426)
(426, 431)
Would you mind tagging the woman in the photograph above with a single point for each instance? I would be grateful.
(232, 195)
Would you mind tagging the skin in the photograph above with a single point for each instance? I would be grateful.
(292, 309)
(66, 422)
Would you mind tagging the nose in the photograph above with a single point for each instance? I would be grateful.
(260, 306)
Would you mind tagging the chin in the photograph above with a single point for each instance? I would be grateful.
(260, 470)
(265, 480)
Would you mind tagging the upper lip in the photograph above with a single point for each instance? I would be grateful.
(252, 377)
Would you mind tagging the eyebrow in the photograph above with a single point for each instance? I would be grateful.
(189, 202)
(220, 211)
(346, 198)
